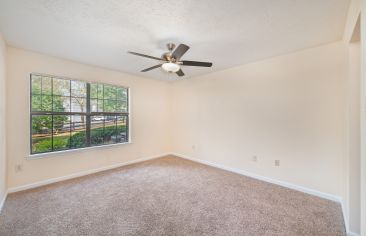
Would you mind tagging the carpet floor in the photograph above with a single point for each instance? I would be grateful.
(168, 196)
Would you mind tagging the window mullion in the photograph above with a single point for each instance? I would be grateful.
(88, 118)
(52, 112)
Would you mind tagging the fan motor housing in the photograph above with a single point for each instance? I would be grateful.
(168, 56)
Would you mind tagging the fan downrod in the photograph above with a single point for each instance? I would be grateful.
(170, 46)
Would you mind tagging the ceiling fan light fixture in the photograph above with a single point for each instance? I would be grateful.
(170, 67)
(170, 61)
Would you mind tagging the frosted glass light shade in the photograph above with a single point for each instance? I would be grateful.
(170, 67)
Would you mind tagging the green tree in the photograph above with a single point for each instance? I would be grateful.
(43, 100)
(43, 122)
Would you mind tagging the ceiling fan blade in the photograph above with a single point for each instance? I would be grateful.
(143, 55)
(179, 51)
(180, 72)
(196, 63)
(151, 68)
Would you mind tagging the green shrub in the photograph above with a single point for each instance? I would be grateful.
(45, 144)
(77, 140)
(60, 143)
(98, 136)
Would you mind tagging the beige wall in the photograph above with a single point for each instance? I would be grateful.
(363, 117)
(2, 119)
(291, 108)
(150, 119)
(351, 37)
(354, 138)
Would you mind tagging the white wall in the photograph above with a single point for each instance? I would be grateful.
(3, 184)
(291, 108)
(149, 119)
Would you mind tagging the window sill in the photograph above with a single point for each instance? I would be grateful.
(63, 152)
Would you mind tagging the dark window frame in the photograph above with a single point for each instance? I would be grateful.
(88, 113)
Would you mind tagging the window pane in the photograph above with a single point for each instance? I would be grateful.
(110, 105)
(61, 104)
(96, 105)
(93, 105)
(78, 132)
(96, 91)
(110, 92)
(110, 129)
(46, 103)
(122, 93)
(96, 132)
(36, 84)
(93, 90)
(36, 103)
(122, 132)
(121, 106)
(41, 133)
(61, 132)
(78, 88)
(100, 91)
(78, 105)
(46, 85)
(100, 106)
(61, 87)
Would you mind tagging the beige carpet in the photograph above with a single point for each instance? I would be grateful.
(168, 196)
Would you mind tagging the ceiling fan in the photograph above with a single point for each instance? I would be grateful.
(170, 61)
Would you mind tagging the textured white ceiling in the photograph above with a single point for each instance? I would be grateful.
(225, 32)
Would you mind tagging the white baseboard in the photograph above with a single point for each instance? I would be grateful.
(266, 179)
(234, 170)
(277, 182)
(352, 234)
(3, 201)
(79, 174)
(345, 217)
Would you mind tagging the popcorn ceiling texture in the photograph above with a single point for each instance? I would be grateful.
(168, 196)
(100, 32)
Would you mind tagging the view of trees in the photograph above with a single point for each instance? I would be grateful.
(43, 101)
(59, 114)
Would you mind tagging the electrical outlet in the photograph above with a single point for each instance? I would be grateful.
(193, 147)
(254, 158)
(277, 162)
(18, 168)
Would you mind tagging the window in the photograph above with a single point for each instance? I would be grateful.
(71, 114)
